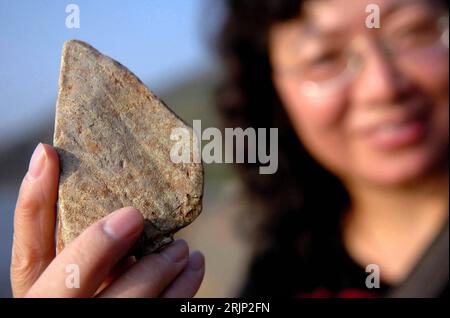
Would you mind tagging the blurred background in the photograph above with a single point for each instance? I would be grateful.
(167, 44)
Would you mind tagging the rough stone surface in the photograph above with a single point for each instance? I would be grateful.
(113, 139)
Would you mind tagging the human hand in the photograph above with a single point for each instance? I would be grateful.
(99, 252)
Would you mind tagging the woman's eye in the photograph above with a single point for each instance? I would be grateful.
(325, 58)
(417, 29)
(418, 34)
(326, 66)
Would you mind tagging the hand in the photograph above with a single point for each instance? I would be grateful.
(98, 252)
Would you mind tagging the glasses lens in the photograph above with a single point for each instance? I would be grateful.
(326, 67)
(335, 67)
(422, 34)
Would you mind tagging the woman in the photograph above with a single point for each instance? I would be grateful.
(363, 120)
(363, 174)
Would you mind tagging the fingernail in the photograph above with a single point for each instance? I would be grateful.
(37, 162)
(196, 261)
(175, 252)
(123, 223)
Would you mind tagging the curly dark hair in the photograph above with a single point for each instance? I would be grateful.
(297, 196)
(301, 202)
(301, 206)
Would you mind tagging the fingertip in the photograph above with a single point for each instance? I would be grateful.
(188, 282)
(50, 152)
(134, 213)
(132, 210)
(37, 162)
(52, 164)
(176, 251)
(196, 261)
(43, 162)
(180, 241)
(124, 223)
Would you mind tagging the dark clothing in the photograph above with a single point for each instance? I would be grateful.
(325, 270)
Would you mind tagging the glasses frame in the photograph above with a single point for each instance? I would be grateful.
(356, 62)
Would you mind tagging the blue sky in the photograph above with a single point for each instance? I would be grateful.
(160, 41)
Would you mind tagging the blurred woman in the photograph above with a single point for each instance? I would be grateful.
(363, 116)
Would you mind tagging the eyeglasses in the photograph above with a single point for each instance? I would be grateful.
(337, 68)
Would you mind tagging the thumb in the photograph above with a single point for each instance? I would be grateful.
(34, 220)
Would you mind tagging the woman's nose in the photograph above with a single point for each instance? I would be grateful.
(380, 81)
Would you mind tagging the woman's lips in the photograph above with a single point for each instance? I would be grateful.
(394, 135)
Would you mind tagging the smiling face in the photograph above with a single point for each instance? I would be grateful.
(384, 120)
